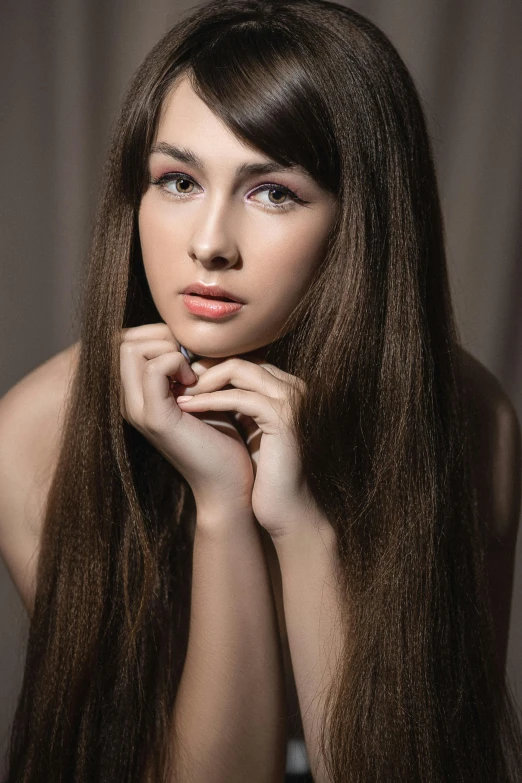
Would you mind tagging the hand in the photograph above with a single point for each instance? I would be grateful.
(260, 395)
(207, 450)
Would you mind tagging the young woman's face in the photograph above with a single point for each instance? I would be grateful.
(243, 231)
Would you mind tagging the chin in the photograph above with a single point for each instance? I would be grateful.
(193, 355)
(197, 354)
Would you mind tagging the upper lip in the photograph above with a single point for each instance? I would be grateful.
(210, 290)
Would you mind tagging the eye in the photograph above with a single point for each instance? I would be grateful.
(280, 197)
(279, 192)
(178, 180)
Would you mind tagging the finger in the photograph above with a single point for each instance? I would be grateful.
(240, 374)
(264, 410)
(134, 355)
(283, 376)
(156, 384)
(202, 364)
(159, 331)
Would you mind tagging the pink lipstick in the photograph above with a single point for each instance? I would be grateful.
(211, 308)
(211, 301)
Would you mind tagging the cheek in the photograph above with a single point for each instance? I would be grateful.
(280, 288)
(158, 238)
(155, 249)
(291, 264)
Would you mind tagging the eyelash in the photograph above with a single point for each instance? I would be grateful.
(176, 177)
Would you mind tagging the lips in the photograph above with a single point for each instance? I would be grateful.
(209, 307)
(219, 298)
(211, 292)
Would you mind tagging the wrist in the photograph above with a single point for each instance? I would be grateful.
(316, 530)
(214, 518)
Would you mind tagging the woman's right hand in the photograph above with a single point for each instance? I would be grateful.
(212, 457)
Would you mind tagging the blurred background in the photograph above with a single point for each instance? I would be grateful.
(64, 66)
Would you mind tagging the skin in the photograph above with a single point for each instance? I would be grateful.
(224, 230)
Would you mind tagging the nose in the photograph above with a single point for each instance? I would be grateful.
(212, 242)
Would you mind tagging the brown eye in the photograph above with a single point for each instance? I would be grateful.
(279, 197)
(181, 185)
(282, 195)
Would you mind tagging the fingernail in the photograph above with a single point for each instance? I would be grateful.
(185, 397)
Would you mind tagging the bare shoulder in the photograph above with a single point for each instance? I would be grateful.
(497, 441)
(31, 421)
(31, 414)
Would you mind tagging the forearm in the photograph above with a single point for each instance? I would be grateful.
(308, 561)
(229, 717)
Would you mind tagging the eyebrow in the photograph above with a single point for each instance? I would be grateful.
(187, 156)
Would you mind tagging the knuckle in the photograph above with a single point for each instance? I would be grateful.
(235, 363)
(151, 367)
(130, 414)
(128, 333)
(127, 349)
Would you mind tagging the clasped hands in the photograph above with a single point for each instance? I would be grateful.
(244, 458)
(258, 398)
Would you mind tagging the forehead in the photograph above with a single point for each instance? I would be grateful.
(186, 120)
(190, 132)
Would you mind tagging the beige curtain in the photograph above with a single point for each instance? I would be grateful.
(64, 65)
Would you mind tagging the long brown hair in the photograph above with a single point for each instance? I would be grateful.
(383, 442)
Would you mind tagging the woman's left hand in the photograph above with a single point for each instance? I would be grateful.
(258, 397)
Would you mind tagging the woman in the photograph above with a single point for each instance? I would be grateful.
(277, 150)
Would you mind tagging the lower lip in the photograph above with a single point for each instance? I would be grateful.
(212, 308)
